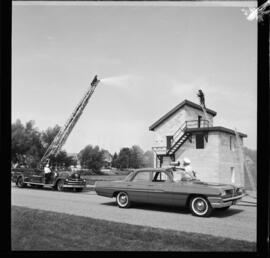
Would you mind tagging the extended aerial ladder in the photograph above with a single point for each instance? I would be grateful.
(65, 131)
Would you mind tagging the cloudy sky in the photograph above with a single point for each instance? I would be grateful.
(150, 57)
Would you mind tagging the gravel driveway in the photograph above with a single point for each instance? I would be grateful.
(239, 222)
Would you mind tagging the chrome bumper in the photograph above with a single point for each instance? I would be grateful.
(218, 202)
(74, 186)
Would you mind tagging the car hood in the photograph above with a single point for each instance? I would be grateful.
(214, 185)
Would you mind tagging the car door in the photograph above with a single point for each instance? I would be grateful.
(181, 188)
(161, 188)
(36, 176)
(138, 187)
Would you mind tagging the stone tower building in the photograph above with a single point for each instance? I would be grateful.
(213, 150)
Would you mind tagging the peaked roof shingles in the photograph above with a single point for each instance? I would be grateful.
(175, 109)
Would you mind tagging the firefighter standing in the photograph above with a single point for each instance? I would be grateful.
(47, 172)
(187, 167)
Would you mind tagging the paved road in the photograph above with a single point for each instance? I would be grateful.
(239, 222)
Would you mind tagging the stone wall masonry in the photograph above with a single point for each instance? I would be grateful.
(192, 114)
(204, 161)
(173, 123)
(229, 158)
(169, 127)
(166, 162)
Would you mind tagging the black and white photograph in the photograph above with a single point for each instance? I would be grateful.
(134, 125)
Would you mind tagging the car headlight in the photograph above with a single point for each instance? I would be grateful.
(223, 193)
(66, 180)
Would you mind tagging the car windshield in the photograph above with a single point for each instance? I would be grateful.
(129, 176)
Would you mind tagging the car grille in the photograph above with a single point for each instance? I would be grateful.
(74, 182)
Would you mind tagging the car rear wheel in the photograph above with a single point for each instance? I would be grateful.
(200, 206)
(122, 200)
(20, 182)
(60, 185)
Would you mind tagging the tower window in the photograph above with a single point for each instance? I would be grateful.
(199, 121)
(231, 143)
(232, 175)
(199, 141)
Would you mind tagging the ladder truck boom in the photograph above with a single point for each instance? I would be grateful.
(61, 137)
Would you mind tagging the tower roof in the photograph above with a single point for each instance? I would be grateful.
(215, 129)
(175, 109)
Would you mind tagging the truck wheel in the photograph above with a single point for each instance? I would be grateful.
(200, 206)
(20, 183)
(59, 185)
(122, 200)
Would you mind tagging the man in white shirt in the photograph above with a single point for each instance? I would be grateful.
(187, 167)
(47, 172)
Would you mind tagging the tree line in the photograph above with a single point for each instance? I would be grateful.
(29, 144)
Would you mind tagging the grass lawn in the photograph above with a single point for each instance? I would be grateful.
(41, 230)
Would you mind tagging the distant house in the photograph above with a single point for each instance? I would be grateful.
(213, 150)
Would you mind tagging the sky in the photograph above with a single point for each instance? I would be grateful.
(149, 57)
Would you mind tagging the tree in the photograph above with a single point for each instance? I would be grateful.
(25, 146)
(148, 159)
(28, 144)
(123, 158)
(136, 157)
(63, 158)
(46, 138)
(115, 160)
(92, 157)
(48, 135)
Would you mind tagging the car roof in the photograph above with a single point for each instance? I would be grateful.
(152, 169)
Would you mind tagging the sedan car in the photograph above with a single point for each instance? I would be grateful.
(165, 187)
(58, 180)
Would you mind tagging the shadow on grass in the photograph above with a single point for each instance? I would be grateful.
(46, 188)
(152, 207)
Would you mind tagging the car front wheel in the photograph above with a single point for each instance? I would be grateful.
(122, 200)
(59, 185)
(200, 206)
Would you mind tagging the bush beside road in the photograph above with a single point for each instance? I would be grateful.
(34, 229)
